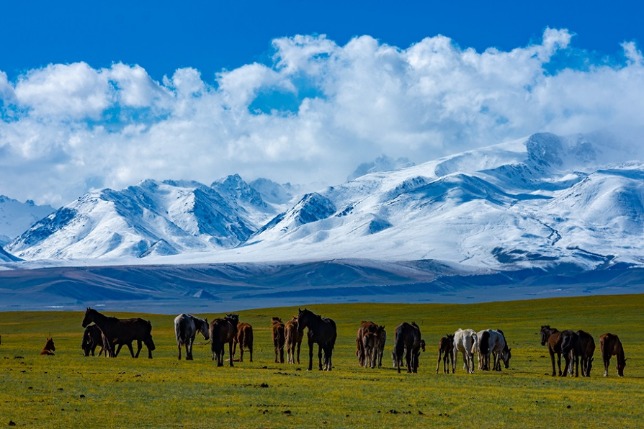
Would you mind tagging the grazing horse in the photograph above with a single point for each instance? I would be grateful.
(611, 345)
(571, 351)
(244, 338)
(122, 331)
(408, 342)
(49, 348)
(321, 330)
(465, 341)
(499, 347)
(366, 343)
(92, 338)
(279, 339)
(223, 331)
(446, 349)
(587, 346)
(186, 327)
(293, 340)
(552, 337)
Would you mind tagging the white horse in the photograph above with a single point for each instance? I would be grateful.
(186, 327)
(492, 342)
(465, 341)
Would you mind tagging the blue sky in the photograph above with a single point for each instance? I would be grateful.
(96, 94)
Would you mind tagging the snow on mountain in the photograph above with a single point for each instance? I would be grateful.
(382, 163)
(529, 203)
(152, 218)
(16, 217)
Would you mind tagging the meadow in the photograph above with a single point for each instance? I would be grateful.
(70, 390)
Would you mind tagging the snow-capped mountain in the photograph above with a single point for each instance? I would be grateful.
(151, 218)
(16, 217)
(534, 202)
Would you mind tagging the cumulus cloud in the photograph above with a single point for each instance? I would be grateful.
(68, 128)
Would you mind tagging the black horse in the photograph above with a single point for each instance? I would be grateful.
(408, 342)
(322, 331)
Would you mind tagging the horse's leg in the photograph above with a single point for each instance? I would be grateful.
(139, 345)
(438, 364)
(189, 348)
(230, 352)
(299, 345)
(310, 355)
(250, 350)
(320, 356)
(606, 363)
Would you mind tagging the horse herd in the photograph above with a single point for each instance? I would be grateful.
(491, 346)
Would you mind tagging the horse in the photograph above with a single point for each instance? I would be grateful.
(483, 349)
(186, 327)
(92, 338)
(321, 330)
(446, 349)
(499, 347)
(122, 331)
(465, 341)
(244, 338)
(611, 345)
(223, 331)
(366, 343)
(552, 337)
(587, 346)
(49, 348)
(381, 340)
(279, 339)
(408, 342)
(571, 351)
(293, 340)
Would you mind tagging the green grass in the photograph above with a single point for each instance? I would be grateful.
(69, 390)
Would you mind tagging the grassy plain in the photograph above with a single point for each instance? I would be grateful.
(69, 390)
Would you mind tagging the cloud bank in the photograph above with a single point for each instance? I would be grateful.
(311, 116)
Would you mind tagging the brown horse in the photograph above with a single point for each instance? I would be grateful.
(552, 337)
(611, 345)
(321, 330)
(49, 348)
(223, 331)
(587, 347)
(381, 340)
(446, 348)
(571, 351)
(244, 338)
(122, 331)
(293, 340)
(365, 343)
(279, 339)
(408, 342)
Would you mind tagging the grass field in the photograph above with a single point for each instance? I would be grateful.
(70, 390)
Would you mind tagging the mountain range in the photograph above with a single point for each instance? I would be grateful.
(546, 202)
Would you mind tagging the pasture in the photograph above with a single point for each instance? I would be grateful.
(70, 390)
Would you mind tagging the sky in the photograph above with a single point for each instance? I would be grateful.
(106, 94)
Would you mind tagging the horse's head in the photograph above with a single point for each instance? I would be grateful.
(232, 318)
(545, 333)
(303, 319)
(89, 317)
(422, 344)
(86, 345)
(203, 328)
(506, 355)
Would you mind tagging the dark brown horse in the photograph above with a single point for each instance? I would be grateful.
(321, 330)
(446, 349)
(571, 351)
(587, 347)
(122, 331)
(279, 339)
(223, 331)
(408, 342)
(552, 337)
(610, 345)
(293, 340)
(92, 338)
(49, 348)
(244, 338)
(381, 341)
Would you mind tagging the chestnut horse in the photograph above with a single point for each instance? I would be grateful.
(223, 331)
(279, 339)
(366, 344)
(611, 345)
(49, 348)
(293, 340)
(552, 337)
(244, 338)
(321, 330)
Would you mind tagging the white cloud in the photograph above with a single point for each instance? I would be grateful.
(67, 128)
